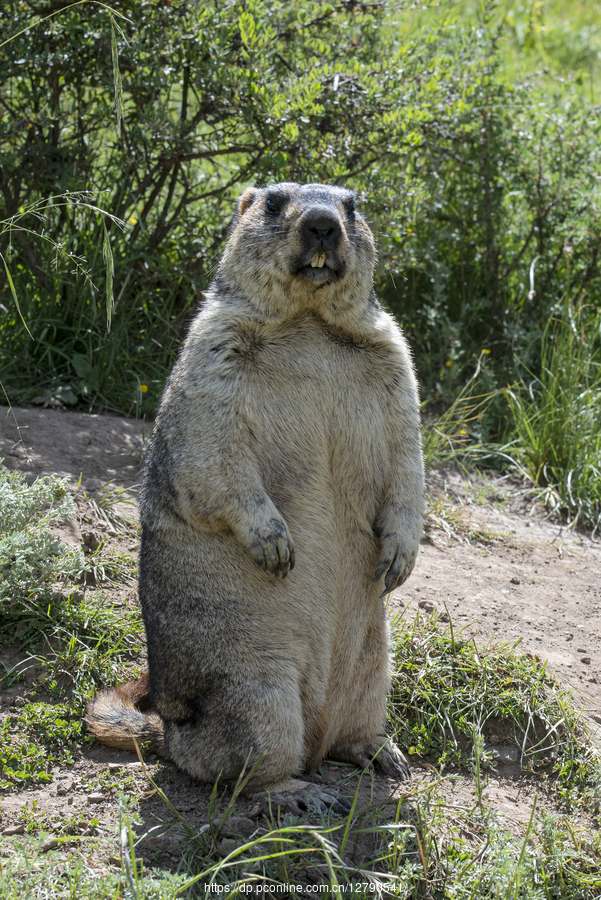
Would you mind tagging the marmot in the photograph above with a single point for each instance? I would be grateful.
(282, 498)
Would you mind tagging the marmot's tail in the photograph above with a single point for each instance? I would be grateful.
(123, 717)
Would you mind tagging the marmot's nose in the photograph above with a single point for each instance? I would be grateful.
(321, 227)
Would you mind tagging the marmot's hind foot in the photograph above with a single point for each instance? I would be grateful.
(382, 751)
(300, 797)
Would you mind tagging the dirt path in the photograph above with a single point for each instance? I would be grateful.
(504, 573)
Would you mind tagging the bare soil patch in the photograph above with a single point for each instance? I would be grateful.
(503, 573)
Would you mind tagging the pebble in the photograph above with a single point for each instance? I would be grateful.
(14, 829)
(240, 825)
(426, 605)
(91, 540)
(226, 846)
(95, 798)
(581, 650)
(505, 754)
(157, 843)
(50, 844)
(515, 580)
(586, 660)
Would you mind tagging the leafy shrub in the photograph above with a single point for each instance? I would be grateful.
(31, 559)
(470, 180)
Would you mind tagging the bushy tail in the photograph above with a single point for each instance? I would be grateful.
(122, 716)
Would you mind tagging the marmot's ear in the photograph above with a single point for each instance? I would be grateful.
(246, 199)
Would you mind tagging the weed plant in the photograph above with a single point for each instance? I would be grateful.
(70, 640)
(31, 559)
(447, 690)
(556, 416)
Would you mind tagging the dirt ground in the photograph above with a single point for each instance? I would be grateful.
(508, 573)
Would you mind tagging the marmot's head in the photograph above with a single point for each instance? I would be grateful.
(300, 247)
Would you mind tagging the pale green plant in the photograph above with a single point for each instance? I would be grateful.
(31, 558)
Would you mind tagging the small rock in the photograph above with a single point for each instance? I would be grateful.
(64, 787)
(14, 829)
(240, 825)
(426, 605)
(586, 660)
(50, 844)
(226, 846)
(569, 637)
(95, 798)
(114, 767)
(444, 617)
(157, 843)
(254, 812)
(581, 650)
(515, 580)
(596, 717)
(91, 540)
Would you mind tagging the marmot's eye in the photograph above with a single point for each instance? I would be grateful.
(271, 205)
(350, 206)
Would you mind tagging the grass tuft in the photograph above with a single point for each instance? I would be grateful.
(557, 417)
(447, 690)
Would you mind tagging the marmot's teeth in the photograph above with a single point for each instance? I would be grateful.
(321, 260)
(318, 260)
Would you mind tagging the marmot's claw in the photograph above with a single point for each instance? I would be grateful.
(392, 762)
(273, 551)
(308, 798)
(319, 798)
(397, 562)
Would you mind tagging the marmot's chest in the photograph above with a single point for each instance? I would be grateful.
(319, 409)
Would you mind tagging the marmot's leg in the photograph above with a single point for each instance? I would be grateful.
(234, 724)
(237, 726)
(361, 734)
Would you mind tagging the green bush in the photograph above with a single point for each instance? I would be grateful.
(31, 559)
(470, 180)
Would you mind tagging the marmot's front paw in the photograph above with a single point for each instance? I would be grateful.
(271, 547)
(396, 562)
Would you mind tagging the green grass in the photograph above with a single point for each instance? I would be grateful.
(556, 417)
(448, 693)
(450, 702)
(424, 847)
(72, 640)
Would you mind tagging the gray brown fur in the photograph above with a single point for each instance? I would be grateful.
(282, 495)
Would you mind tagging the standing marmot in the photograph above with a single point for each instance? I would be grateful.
(283, 493)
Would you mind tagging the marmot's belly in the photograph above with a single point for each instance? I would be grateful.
(313, 621)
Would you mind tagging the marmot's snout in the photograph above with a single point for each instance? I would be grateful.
(321, 236)
(320, 229)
